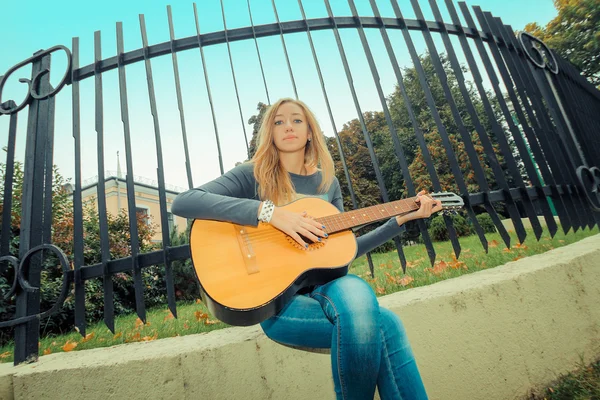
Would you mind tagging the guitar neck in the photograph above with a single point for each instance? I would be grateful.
(355, 218)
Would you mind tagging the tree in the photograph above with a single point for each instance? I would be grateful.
(62, 237)
(418, 169)
(256, 120)
(574, 35)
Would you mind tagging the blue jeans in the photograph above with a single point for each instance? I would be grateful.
(368, 344)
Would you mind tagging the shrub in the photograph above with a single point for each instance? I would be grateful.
(486, 223)
(439, 232)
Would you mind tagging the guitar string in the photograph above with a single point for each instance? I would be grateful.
(339, 225)
(263, 236)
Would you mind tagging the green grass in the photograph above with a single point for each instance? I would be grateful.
(388, 279)
(581, 384)
(160, 323)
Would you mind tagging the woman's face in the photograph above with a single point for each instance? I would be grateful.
(290, 131)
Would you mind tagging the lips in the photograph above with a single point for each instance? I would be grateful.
(290, 137)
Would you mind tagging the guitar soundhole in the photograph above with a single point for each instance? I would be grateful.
(311, 246)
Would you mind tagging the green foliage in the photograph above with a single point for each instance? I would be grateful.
(255, 121)
(486, 223)
(439, 232)
(574, 35)
(184, 275)
(62, 237)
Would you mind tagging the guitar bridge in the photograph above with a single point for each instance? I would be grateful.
(246, 249)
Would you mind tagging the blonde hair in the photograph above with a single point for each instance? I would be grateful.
(274, 182)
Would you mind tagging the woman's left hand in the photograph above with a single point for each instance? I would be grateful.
(427, 207)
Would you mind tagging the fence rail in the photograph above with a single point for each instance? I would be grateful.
(536, 118)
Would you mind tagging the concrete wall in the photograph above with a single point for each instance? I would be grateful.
(489, 335)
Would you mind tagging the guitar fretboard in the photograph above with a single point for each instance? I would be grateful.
(350, 219)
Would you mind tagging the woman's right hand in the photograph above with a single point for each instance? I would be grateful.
(296, 224)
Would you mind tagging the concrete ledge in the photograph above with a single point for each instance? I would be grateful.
(493, 334)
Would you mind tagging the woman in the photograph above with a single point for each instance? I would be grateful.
(368, 344)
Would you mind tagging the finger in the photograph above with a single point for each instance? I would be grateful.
(298, 239)
(314, 226)
(309, 235)
(319, 226)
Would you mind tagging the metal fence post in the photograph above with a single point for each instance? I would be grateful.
(36, 206)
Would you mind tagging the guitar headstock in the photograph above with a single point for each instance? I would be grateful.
(451, 202)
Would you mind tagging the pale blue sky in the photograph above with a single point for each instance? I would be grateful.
(29, 25)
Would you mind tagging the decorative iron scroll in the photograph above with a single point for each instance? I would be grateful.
(32, 83)
(538, 52)
(590, 181)
(21, 270)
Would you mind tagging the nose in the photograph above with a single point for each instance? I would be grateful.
(288, 126)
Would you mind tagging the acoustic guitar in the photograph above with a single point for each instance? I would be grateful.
(248, 274)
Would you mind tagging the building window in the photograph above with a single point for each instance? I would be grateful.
(171, 219)
(144, 213)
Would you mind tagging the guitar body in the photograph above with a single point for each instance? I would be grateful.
(248, 274)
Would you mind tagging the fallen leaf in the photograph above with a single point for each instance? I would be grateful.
(507, 250)
(150, 338)
(380, 290)
(406, 280)
(198, 301)
(520, 246)
(210, 322)
(47, 351)
(169, 316)
(4, 355)
(88, 337)
(517, 258)
(138, 323)
(390, 278)
(438, 268)
(134, 338)
(186, 326)
(493, 243)
(200, 315)
(69, 346)
(117, 335)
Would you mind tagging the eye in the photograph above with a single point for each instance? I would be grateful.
(278, 122)
(298, 121)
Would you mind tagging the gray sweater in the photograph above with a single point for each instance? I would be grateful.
(233, 197)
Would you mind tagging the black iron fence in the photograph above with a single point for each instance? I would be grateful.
(533, 110)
